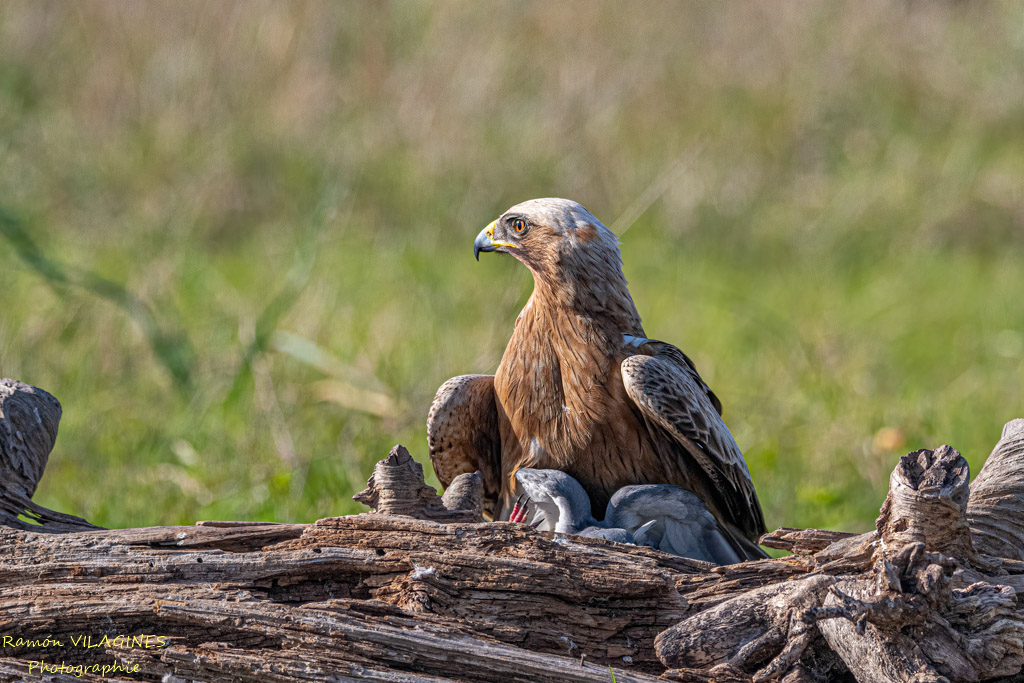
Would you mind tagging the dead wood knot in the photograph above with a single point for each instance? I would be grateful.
(397, 487)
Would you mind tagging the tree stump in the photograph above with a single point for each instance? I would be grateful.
(416, 592)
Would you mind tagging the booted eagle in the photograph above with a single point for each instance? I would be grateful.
(581, 389)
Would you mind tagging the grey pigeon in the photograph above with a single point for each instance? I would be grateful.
(672, 520)
(662, 516)
(561, 505)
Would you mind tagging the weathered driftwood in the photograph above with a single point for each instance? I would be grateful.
(927, 596)
(396, 487)
(997, 497)
(913, 600)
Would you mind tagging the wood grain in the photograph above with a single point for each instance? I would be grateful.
(417, 592)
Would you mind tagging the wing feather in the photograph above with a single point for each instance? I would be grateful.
(666, 388)
(463, 435)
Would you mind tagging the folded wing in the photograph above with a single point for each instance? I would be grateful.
(685, 415)
(672, 520)
(463, 436)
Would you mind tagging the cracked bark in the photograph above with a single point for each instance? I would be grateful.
(420, 590)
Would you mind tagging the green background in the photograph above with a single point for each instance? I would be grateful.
(236, 238)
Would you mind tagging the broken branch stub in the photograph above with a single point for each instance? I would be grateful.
(996, 507)
(29, 418)
(912, 601)
(906, 618)
(466, 492)
(396, 487)
(802, 541)
(927, 502)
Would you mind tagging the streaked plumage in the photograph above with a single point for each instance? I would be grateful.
(582, 390)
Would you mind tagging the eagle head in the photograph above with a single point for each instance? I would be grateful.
(550, 236)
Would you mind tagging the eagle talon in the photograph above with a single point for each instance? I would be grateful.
(519, 510)
(524, 512)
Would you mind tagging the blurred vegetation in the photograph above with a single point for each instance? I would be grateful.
(236, 238)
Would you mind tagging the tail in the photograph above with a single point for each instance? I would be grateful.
(747, 548)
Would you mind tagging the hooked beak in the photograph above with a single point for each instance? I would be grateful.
(485, 241)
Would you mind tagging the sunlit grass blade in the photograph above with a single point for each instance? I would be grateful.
(171, 348)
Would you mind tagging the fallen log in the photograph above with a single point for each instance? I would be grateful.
(418, 591)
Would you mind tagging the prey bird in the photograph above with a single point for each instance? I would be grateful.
(672, 520)
(554, 501)
(661, 516)
(581, 389)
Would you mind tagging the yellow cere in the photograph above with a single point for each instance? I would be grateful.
(489, 231)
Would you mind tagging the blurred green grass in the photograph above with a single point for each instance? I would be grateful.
(235, 238)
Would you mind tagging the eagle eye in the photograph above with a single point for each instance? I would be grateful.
(518, 224)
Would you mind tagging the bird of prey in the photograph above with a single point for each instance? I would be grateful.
(581, 389)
